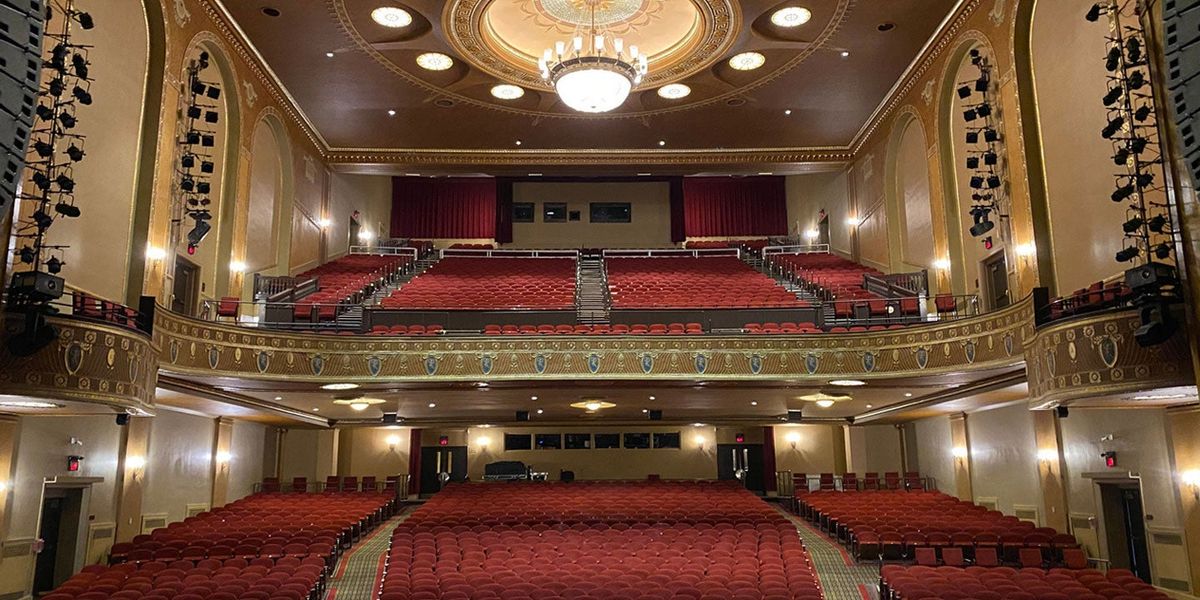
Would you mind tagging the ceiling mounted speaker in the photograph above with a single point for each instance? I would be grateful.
(794, 416)
(522, 415)
(1062, 412)
(655, 415)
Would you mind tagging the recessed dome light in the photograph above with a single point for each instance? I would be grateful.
(593, 406)
(747, 61)
(339, 386)
(847, 382)
(792, 16)
(434, 61)
(28, 404)
(358, 404)
(392, 16)
(674, 91)
(507, 91)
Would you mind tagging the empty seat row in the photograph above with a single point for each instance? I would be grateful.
(343, 281)
(617, 329)
(489, 283)
(1003, 583)
(693, 283)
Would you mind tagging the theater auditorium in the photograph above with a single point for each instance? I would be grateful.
(599, 300)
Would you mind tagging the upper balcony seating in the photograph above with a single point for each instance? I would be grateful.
(461, 283)
(1027, 583)
(615, 329)
(1097, 296)
(342, 280)
(598, 540)
(693, 283)
(893, 523)
(471, 247)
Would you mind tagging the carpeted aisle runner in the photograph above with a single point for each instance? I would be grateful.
(840, 577)
(359, 572)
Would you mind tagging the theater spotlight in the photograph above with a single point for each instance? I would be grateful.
(67, 210)
(193, 112)
(85, 20)
(41, 219)
(1142, 113)
(970, 114)
(58, 57)
(65, 183)
(964, 92)
(1157, 223)
(972, 162)
(984, 110)
(1121, 157)
(211, 116)
(1144, 180)
(57, 87)
(976, 57)
(80, 64)
(1138, 144)
(976, 182)
(993, 181)
(1128, 254)
(44, 112)
(990, 158)
(1093, 14)
(1123, 193)
(1114, 125)
(1133, 49)
(1113, 61)
(68, 120)
(203, 187)
(973, 136)
(207, 166)
(202, 62)
(208, 141)
(981, 84)
(192, 138)
(187, 161)
(1133, 225)
(75, 153)
(198, 87)
(1162, 251)
(990, 135)
(982, 223)
(1136, 81)
(199, 230)
(43, 149)
(187, 184)
(54, 265)
(214, 92)
(41, 181)
(26, 254)
(83, 96)
(1113, 95)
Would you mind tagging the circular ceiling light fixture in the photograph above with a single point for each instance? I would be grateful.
(674, 91)
(791, 16)
(358, 404)
(593, 406)
(28, 404)
(336, 387)
(824, 400)
(848, 382)
(593, 72)
(434, 61)
(747, 61)
(507, 91)
(393, 17)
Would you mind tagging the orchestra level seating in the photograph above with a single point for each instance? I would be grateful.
(1003, 583)
(716, 282)
(597, 541)
(490, 283)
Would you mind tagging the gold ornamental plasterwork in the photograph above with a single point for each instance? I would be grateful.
(572, 157)
(198, 348)
(88, 362)
(464, 25)
(1094, 357)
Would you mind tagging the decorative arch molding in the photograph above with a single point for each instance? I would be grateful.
(943, 112)
(908, 116)
(158, 37)
(271, 118)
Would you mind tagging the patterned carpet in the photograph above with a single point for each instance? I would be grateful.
(840, 576)
(360, 570)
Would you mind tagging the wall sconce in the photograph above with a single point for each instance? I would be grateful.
(1046, 455)
(942, 264)
(482, 441)
(1191, 478)
(324, 223)
(1025, 252)
(812, 234)
(792, 438)
(135, 464)
(853, 221)
(700, 441)
(960, 453)
(3, 487)
(237, 266)
(365, 236)
(392, 442)
(155, 253)
(223, 458)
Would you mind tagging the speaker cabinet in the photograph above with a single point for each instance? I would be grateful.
(22, 25)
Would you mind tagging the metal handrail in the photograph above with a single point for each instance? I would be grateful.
(797, 249)
(672, 252)
(385, 251)
(502, 253)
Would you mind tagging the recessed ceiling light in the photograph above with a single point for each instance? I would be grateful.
(847, 382)
(697, 424)
(747, 61)
(645, 410)
(533, 397)
(507, 91)
(908, 394)
(392, 16)
(315, 409)
(432, 405)
(28, 404)
(277, 398)
(339, 386)
(870, 406)
(391, 113)
(271, 12)
(535, 174)
(845, 54)
(481, 384)
(886, 26)
(652, 397)
(674, 91)
(765, 173)
(358, 404)
(787, 111)
(328, 55)
(540, 411)
(792, 16)
(434, 61)
(662, 142)
(518, 142)
(753, 403)
(643, 174)
(592, 406)
(824, 400)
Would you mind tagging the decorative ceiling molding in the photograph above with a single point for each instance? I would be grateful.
(568, 157)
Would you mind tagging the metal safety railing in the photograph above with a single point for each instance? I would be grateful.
(670, 252)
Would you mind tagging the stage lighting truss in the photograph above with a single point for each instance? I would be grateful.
(54, 147)
(986, 172)
(1131, 127)
(195, 165)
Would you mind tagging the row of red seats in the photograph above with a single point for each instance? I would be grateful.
(617, 329)
(598, 541)
(795, 329)
(344, 280)
(894, 523)
(490, 283)
(411, 330)
(1003, 583)
(840, 277)
(704, 282)
(85, 305)
(461, 246)
(237, 579)
(334, 483)
(1096, 296)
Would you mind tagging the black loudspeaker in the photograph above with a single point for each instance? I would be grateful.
(655, 415)
(123, 419)
(391, 418)
(37, 286)
(1062, 412)
(1181, 27)
(1157, 326)
(794, 416)
(22, 24)
(522, 415)
(1150, 277)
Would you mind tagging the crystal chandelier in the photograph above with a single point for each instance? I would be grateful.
(596, 78)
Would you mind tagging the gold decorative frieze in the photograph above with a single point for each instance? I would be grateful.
(1097, 357)
(88, 362)
(198, 348)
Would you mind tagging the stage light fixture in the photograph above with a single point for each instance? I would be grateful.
(199, 230)
(1114, 125)
(981, 84)
(203, 187)
(970, 114)
(187, 161)
(192, 138)
(187, 184)
(65, 183)
(1121, 157)
(984, 110)
(40, 180)
(213, 92)
(67, 210)
(1113, 61)
(75, 153)
(1144, 180)
(54, 265)
(26, 254)
(1133, 225)
(68, 120)
(198, 87)
(983, 224)
(1128, 254)
(193, 112)
(1133, 49)
(964, 92)
(1138, 144)
(973, 136)
(202, 62)
(976, 182)
(1142, 113)
(207, 166)
(1162, 251)
(993, 181)
(1123, 193)
(1157, 224)
(83, 96)
(85, 20)
(1136, 80)
(1113, 95)
(972, 162)
(208, 141)
(211, 116)
(80, 64)
(57, 87)
(1093, 14)
(41, 219)
(990, 158)
(44, 112)
(43, 149)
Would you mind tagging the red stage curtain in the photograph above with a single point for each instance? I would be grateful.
(414, 463)
(727, 206)
(443, 208)
(769, 459)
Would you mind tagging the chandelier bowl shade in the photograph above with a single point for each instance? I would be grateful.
(593, 84)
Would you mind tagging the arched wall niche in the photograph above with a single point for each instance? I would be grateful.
(909, 194)
(268, 207)
(98, 258)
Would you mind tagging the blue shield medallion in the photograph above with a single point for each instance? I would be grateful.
(317, 364)
(701, 363)
(374, 365)
(263, 360)
(1108, 351)
(431, 364)
(969, 349)
(811, 362)
(868, 360)
(593, 363)
(539, 363)
(214, 357)
(922, 357)
(73, 357)
(485, 364)
(756, 364)
(647, 362)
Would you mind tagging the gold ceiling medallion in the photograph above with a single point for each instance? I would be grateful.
(505, 38)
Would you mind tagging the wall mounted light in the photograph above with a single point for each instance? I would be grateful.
(1047, 455)
(223, 458)
(237, 266)
(324, 223)
(155, 253)
(700, 441)
(365, 236)
(853, 221)
(812, 234)
(483, 441)
(792, 438)
(3, 487)
(942, 264)
(392, 442)
(134, 464)
(960, 453)
(1191, 478)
